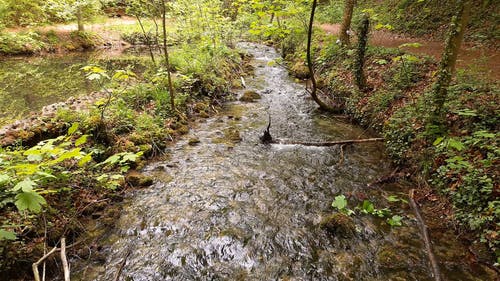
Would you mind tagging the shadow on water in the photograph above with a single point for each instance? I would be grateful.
(245, 211)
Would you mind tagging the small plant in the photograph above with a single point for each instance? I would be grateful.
(368, 208)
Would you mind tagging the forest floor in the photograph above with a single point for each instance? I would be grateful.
(479, 59)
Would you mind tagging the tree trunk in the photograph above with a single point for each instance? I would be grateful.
(364, 27)
(165, 51)
(346, 22)
(79, 19)
(448, 61)
(148, 40)
(314, 95)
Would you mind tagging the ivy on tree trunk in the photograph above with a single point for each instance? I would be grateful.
(448, 61)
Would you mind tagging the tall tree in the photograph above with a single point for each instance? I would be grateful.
(448, 61)
(363, 29)
(346, 22)
(165, 52)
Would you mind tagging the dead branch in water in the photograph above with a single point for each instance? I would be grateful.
(122, 265)
(326, 144)
(425, 234)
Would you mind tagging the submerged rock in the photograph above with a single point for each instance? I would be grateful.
(250, 96)
(193, 141)
(339, 224)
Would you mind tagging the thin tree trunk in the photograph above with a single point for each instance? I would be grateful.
(359, 63)
(148, 42)
(346, 22)
(448, 61)
(165, 51)
(313, 93)
(79, 19)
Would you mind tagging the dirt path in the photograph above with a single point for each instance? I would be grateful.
(103, 29)
(483, 60)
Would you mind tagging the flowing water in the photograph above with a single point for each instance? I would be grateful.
(221, 210)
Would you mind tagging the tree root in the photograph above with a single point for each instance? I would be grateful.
(425, 236)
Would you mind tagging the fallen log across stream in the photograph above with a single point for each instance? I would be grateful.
(328, 143)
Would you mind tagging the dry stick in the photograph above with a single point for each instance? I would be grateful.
(64, 259)
(122, 264)
(330, 143)
(35, 265)
(425, 234)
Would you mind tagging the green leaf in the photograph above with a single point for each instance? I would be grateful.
(367, 207)
(4, 179)
(7, 235)
(113, 159)
(340, 202)
(85, 159)
(81, 140)
(30, 201)
(456, 144)
(25, 185)
(73, 128)
(395, 220)
(46, 175)
(438, 141)
(74, 153)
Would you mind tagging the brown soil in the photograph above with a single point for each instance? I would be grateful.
(484, 60)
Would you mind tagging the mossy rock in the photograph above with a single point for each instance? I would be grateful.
(390, 257)
(339, 224)
(204, 114)
(193, 141)
(250, 96)
(300, 71)
(139, 180)
(232, 134)
(183, 129)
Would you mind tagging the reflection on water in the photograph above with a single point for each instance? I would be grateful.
(245, 211)
(29, 83)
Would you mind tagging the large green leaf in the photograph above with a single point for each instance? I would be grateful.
(30, 201)
(25, 185)
(7, 235)
(4, 179)
(340, 202)
(73, 128)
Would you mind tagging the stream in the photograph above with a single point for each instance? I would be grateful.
(225, 210)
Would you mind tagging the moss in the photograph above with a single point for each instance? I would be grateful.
(138, 180)
(389, 257)
(300, 70)
(250, 96)
(232, 134)
(193, 141)
(339, 224)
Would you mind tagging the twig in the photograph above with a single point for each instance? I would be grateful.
(64, 259)
(330, 143)
(425, 234)
(341, 154)
(35, 265)
(122, 264)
